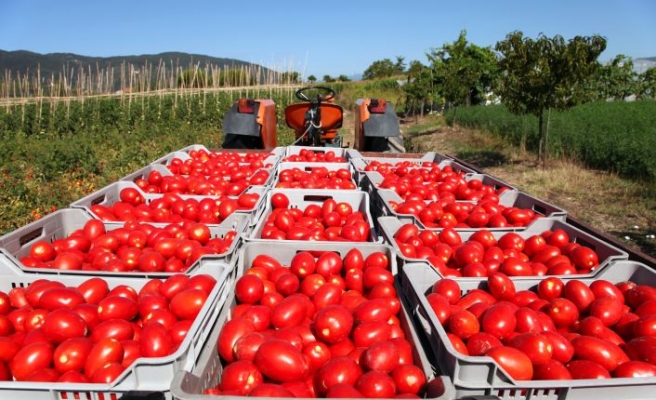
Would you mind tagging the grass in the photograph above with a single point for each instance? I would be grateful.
(620, 207)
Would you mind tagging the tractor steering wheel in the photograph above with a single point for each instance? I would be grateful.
(322, 93)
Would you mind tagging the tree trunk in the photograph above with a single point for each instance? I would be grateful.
(541, 137)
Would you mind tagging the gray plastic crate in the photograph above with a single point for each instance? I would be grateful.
(309, 166)
(62, 223)
(207, 372)
(508, 198)
(358, 200)
(482, 376)
(145, 374)
(284, 252)
(110, 194)
(606, 252)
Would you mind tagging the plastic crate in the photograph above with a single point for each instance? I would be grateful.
(60, 224)
(358, 200)
(110, 194)
(146, 374)
(607, 253)
(508, 198)
(285, 251)
(481, 375)
(309, 166)
(207, 372)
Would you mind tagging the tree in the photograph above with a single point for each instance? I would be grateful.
(194, 78)
(419, 87)
(615, 80)
(465, 72)
(328, 79)
(290, 77)
(380, 69)
(647, 84)
(399, 66)
(343, 78)
(546, 73)
(312, 79)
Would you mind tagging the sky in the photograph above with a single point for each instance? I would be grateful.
(312, 37)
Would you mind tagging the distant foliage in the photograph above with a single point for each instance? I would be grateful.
(613, 136)
(194, 78)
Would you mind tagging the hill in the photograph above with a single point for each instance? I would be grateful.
(54, 64)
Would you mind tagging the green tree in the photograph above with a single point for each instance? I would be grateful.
(419, 88)
(235, 77)
(343, 78)
(399, 66)
(380, 69)
(647, 84)
(465, 72)
(328, 79)
(312, 79)
(545, 73)
(615, 80)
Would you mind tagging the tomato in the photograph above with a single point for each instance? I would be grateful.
(338, 370)
(409, 379)
(635, 369)
(562, 311)
(266, 262)
(230, 333)
(499, 319)
(260, 315)
(71, 354)
(513, 361)
(381, 356)
(317, 354)
(117, 307)
(270, 390)
(602, 288)
(367, 333)
(30, 358)
(586, 369)
(501, 287)
(463, 323)
(536, 346)
(290, 311)
(551, 369)
(118, 329)
(607, 309)
(584, 258)
(281, 361)
(602, 352)
(448, 288)
(279, 200)
(550, 287)
(579, 293)
(376, 384)
(558, 238)
(642, 349)
(62, 324)
(59, 297)
(333, 323)
(188, 303)
(343, 391)
(241, 376)
(479, 343)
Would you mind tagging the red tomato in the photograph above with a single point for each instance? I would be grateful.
(241, 376)
(586, 369)
(479, 343)
(71, 355)
(376, 384)
(551, 369)
(338, 370)
(290, 311)
(279, 200)
(57, 297)
(281, 361)
(579, 293)
(30, 358)
(463, 324)
(635, 369)
(232, 331)
(117, 307)
(188, 303)
(499, 319)
(333, 323)
(602, 352)
(537, 347)
(381, 356)
(104, 352)
(64, 324)
(501, 287)
(513, 361)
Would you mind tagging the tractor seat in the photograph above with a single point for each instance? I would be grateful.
(331, 117)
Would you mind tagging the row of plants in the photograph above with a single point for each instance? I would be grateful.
(614, 136)
(56, 152)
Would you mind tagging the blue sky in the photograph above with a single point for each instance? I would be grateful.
(313, 37)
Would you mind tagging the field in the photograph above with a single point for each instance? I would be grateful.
(55, 151)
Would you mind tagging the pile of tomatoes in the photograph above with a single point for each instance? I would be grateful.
(211, 163)
(307, 155)
(450, 213)
(233, 183)
(557, 330)
(332, 221)
(316, 178)
(173, 208)
(135, 247)
(91, 333)
(515, 254)
(322, 326)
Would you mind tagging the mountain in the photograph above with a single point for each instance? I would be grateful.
(27, 62)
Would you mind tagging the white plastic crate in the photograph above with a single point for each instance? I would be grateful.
(301, 199)
(606, 252)
(207, 372)
(481, 375)
(60, 224)
(296, 150)
(110, 194)
(145, 374)
(508, 198)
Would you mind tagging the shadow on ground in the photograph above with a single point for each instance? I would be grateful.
(483, 158)
(640, 239)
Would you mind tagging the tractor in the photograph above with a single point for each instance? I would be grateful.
(316, 120)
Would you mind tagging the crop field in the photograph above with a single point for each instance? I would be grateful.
(618, 137)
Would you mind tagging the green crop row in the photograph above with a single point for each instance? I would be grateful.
(55, 152)
(618, 137)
